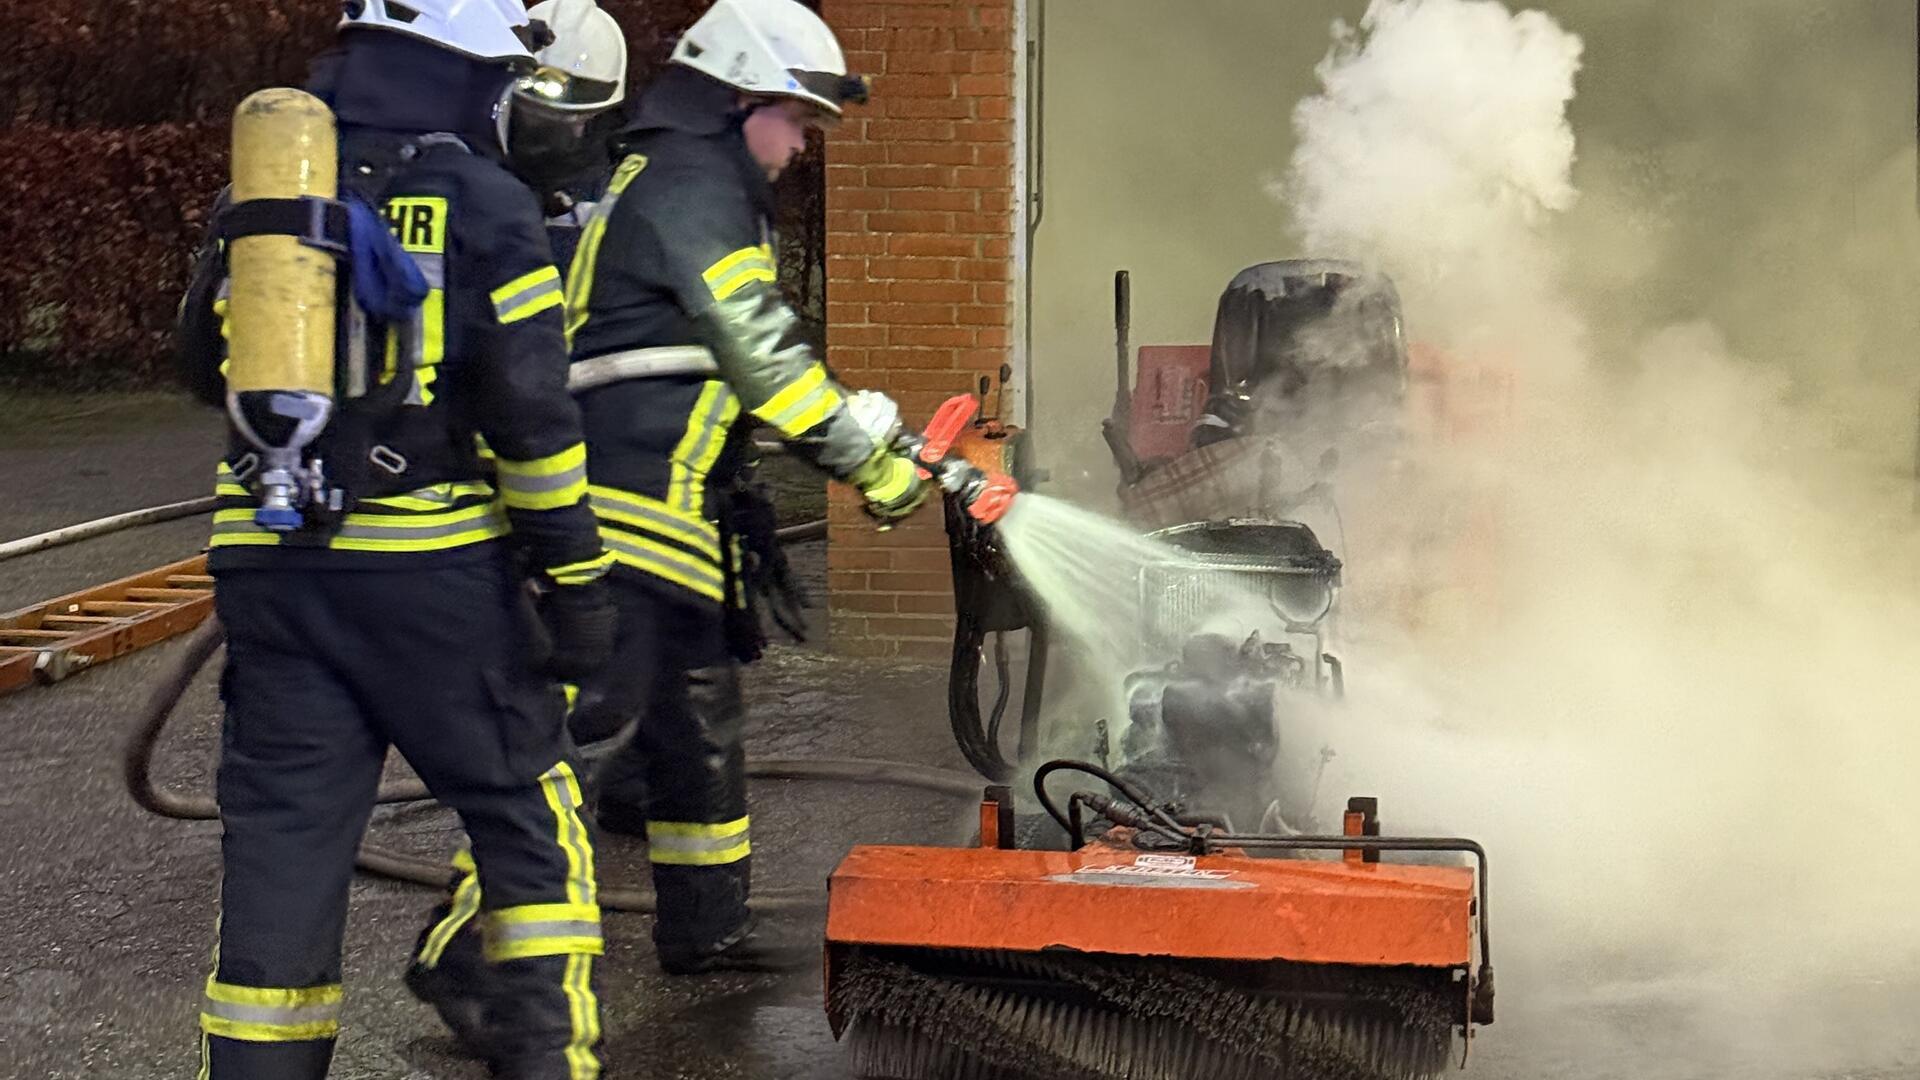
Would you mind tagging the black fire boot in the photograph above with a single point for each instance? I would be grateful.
(750, 949)
(457, 985)
(547, 1018)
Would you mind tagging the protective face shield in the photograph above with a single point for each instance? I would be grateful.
(554, 119)
(772, 48)
(482, 29)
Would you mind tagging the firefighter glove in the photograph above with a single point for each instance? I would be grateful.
(893, 487)
(580, 621)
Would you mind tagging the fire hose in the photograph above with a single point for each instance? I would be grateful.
(384, 862)
(984, 495)
(144, 738)
(70, 534)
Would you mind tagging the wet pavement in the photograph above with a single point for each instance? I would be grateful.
(106, 913)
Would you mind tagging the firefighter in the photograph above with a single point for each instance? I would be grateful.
(446, 573)
(681, 344)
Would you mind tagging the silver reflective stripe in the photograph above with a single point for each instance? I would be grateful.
(412, 336)
(501, 932)
(695, 845)
(433, 267)
(277, 1015)
(688, 564)
(713, 424)
(793, 412)
(528, 295)
(707, 537)
(640, 364)
(361, 530)
(534, 485)
(564, 797)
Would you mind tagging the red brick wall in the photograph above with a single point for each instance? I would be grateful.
(920, 274)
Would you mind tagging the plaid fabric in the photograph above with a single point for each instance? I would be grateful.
(1235, 478)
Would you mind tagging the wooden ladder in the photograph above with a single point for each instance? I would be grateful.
(47, 642)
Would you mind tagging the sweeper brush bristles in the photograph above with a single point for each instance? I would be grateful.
(948, 1015)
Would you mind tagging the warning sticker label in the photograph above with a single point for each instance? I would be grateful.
(1157, 872)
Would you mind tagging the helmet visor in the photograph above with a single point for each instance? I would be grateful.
(556, 88)
(838, 89)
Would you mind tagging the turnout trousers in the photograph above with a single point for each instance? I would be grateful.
(325, 671)
(679, 773)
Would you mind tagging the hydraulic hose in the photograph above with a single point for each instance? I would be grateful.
(154, 515)
(205, 641)
(60, 537)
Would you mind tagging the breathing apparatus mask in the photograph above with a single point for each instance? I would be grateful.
(555, 118)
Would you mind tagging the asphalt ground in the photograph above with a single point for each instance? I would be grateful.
(107, 913)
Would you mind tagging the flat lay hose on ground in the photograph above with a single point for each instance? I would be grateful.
(207, 640)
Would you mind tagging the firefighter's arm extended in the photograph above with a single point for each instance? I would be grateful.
(515, 378)
(726, 281)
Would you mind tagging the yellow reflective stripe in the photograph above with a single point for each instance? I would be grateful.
(812, 379)
(435, 497)
(582, 572)
(466, 904)
(259, 539)
(528, 295)
(740, 269)
(741, 280)
(813, 415)
(548, 483)
(562, 790)
(697, 830)
(690, 843)
(378, 532)
(801, 404)
(528, 930)
(665, 561)
(701, 446)
(656, 516)
(433, 344)
(263, 1014)
(585, 1013)
(545, 302)
(759, 255)
(493, 530)
(225, 483)
(579, 285)
(573, 457)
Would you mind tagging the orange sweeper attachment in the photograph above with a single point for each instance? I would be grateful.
(1166, 948)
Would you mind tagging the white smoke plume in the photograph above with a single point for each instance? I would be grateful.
(1648, 633)
(1441, 140)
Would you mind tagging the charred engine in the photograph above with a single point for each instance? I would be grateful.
(1242, 614)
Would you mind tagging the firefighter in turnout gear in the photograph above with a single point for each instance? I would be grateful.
(422, 572)
(682, 344)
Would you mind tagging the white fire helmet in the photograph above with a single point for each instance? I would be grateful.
(583, 65)
(776, 48)
(483, 29)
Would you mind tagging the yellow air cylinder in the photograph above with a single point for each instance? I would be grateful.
(282, 307)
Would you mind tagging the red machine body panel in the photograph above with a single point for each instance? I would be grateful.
(1169, 397)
